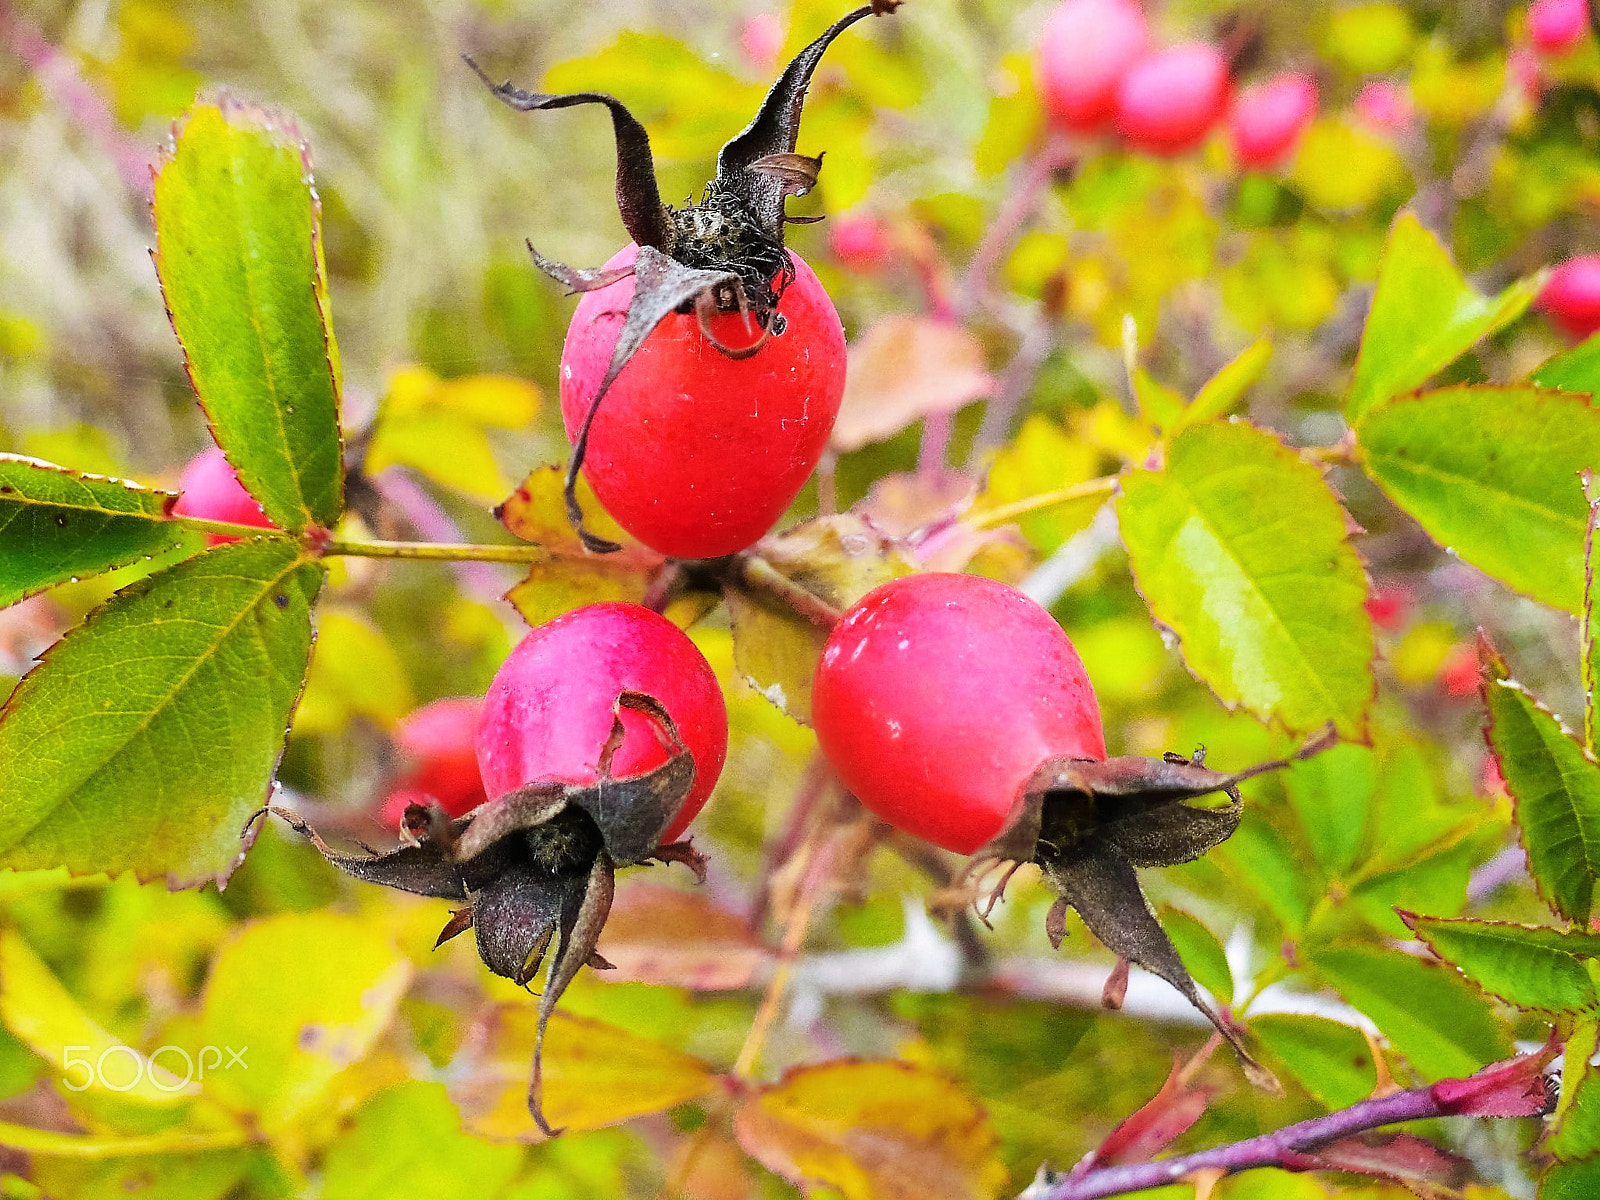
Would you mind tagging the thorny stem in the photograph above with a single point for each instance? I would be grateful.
(441, 551)
(990, 517)
(1287, 1147)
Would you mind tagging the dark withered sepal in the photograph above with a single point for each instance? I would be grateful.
(1089, 824)
(537, 866)
(644, 215)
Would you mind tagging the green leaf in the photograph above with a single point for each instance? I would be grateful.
(406, 1144)
(1201, 952)
(57, 524)
(305, 996)
(146, 736)
(1555, 789)
(1263, 860)
(1526, 966)
(1574, 370)
(240, 259)
(1332, 1061)
(1571, 1181)
(1492, 474)
(184, 1165)
(1424, 316)
(1224, 390)
(1427, 1011)
(1332, 793)
(1240, 548)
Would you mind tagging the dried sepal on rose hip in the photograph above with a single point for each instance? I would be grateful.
(722, 262)
(958, 710)
(537, 865)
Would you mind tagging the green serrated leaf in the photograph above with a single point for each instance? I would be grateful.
(1571, 1181)
(1574, 370)
(57, 525)
(1330, 1060)
(1555, 789)
(1492, 474)
(1201, 952)
(147, 735)
(1427, 1011)
(308, 994)
(1526, 966)
(238, 252)
(1424, 316)
(406, 1143)
(1222, 392)
(1240, 548)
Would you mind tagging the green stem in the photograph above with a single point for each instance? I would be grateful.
(441, 551)
(990, 517)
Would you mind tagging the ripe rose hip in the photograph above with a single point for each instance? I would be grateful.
(1168, 101)
(1556, 26)
(859, 242)
(1571, 297)
(550, 708)
(761, 38)
(1384, 105)
(211, 491)
(939, 695)
(693, 452)
(440, 744)
(1267, 119)
(1084, 51)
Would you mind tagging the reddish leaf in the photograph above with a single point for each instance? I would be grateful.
(1508, 1089)
(1163, 1119)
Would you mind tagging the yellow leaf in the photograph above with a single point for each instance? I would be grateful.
(1343, 167)
(441, 445)
(903, 369)
(873, 1130)
(499, 400)
(537, 513)
(559, 586)
(354, 673)
(595, 1074)
(1043, 458)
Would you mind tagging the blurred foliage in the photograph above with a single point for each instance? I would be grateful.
(1148, 300)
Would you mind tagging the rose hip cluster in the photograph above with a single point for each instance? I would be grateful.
(1098, 71)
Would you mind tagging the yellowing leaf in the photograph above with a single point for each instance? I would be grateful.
(435, 426)
(1219, 395)
(595, 1074)
(873, 1130)
(303, 996)
(498, 400)
(903, 369)
(354, 673)
(657, 934)
(83, 1056)
(1369, 39)
(1343, 167)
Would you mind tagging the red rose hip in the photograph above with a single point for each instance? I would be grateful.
(1268, 119)
(440, 743)
(549, 710)
(693, 452)
(1084, 51)
(1556, 26)
(210, 490)
(937, 698)
(1169, 100)
(1571, 297)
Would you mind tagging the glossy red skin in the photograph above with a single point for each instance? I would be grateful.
(1084, 50)
(1571, 296)
(211, 491)
(1268, 118)
(939, 695)
(439, 740)
(549, 711)
(694, 453)
(1168, 101)
(1556, 26)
